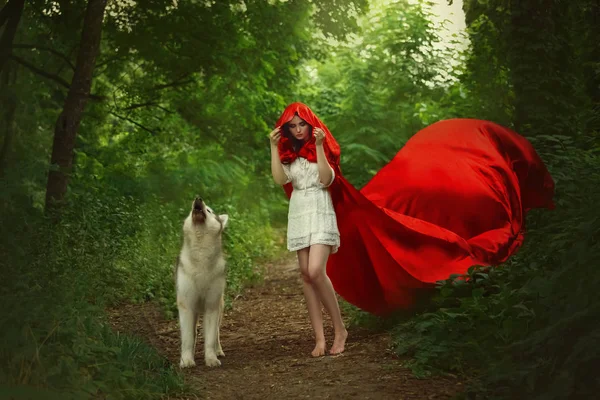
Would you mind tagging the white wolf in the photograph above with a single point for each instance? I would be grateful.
(200, 283)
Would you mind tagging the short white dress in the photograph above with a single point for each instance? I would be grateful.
(311, 217)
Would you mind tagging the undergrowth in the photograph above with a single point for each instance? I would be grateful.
(528, 329)
(108, 249)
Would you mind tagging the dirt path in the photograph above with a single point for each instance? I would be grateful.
(267, 341)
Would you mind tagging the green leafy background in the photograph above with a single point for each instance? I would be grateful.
(185, 96)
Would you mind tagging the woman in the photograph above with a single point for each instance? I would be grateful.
(455, 195)
(301, 152)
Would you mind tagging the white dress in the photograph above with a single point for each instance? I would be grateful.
(311, 217)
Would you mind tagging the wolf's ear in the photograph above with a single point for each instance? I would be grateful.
(224, 219)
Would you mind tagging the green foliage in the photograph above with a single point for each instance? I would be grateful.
(379, 88)
(526, 329)
(182, 99)
(533, 63)
(246, 246)
(76, 355)
(55, 284)
(107, 249)
(485, 78)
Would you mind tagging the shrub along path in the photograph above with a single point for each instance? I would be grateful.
(267, 341)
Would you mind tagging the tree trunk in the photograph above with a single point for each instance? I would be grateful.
(8, 101)
(67, 124)
(540, 58)
(9, 15)
(591, 61)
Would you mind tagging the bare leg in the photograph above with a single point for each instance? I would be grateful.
(324, 289)
(313, 303)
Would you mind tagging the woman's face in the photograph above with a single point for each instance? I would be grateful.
(299, 128)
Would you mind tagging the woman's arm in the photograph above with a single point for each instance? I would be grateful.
(277, 171)
(325, 170)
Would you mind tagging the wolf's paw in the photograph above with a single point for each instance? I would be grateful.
(212, 362)
(187, 362)
(220, 353)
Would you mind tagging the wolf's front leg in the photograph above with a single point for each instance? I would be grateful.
(187, 324)
(218, 348)
(211, 326)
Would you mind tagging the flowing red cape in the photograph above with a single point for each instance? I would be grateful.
(454, 196)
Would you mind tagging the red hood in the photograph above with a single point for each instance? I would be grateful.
(308, 151)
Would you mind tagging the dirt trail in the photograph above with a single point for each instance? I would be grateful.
(267, 342)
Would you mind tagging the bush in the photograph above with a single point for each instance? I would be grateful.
(107, 249)
(529, 328)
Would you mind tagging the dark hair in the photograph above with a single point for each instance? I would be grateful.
(296, 143)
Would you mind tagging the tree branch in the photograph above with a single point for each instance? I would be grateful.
(140, 105)
(110, 60)
(56, 53)
(10, 15)
(175, 83)
(133, 122)
(66, 85)
(165, 109)
(4, 13)
(40, 72)
(50, 76)
(148, 104)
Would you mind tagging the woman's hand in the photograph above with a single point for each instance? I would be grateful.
(319, 136)
(275, 136)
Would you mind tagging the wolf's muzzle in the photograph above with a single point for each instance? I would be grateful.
(198, 213)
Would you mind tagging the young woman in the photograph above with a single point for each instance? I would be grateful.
(454, 196)
(301, 152)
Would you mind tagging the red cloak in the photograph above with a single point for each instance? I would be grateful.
(454, 196)
(309, 151)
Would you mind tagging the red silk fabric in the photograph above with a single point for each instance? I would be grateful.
(454, 196)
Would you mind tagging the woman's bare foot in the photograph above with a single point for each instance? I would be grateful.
(319, 349)
(338, 343)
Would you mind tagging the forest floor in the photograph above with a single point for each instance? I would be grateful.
(267, 340)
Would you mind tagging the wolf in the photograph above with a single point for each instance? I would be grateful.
(200, 283)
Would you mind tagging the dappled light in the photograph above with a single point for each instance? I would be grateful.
(115, 116)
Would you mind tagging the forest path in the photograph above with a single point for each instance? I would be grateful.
(267, 340)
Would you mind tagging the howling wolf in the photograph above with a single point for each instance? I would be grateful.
(200, 282)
